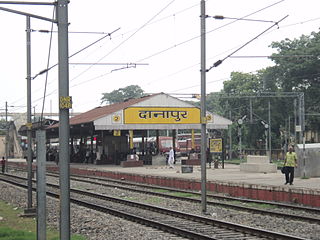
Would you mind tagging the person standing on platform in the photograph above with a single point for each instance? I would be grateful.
(3, 164)
(290, 163)
(171, 158)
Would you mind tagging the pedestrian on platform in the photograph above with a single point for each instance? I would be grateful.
(3, 164)
(290, 163)
(171, 158)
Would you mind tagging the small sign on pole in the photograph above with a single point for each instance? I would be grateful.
(117, 133)
(215, 145)
(298, 128)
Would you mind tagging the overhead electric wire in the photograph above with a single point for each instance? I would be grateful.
(79, 51)
(166, 49)
(78, 32)
(47, 73)
(286, 56)
(125, 40)
(181, 43)
(113, 50)
(43, 71)
(198, 85)
(213, 30)
(298, 23)
(108, 34)
(260, 34)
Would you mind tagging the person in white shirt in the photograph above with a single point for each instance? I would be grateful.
(171, 158)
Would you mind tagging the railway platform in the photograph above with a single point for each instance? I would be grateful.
(230, 180)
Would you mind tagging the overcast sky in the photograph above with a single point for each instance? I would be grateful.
(164, 34)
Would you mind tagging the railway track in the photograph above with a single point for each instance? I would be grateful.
(275, 209)
(302, 213)
(182, 224)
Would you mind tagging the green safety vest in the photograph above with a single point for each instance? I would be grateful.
(291, 159)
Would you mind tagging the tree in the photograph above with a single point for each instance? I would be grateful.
(122, 94)
(298, 69)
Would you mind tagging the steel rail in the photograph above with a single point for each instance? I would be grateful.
(167, 228)
(277, 204)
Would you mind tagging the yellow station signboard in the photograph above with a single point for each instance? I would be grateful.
(161, 115)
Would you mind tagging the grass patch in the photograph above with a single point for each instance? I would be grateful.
(279, 163)
(182, 194)
(254, 205)
(161, 190)
(236, 161)
(13, 227)
(178, 194)
(11, 234)
(261, 205)
(154, 200)
(305, 177)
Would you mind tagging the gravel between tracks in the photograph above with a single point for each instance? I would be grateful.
(89, 223)
(99, 226)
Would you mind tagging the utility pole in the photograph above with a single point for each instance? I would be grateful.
(203, 108)
(29, 122)
(64, 128)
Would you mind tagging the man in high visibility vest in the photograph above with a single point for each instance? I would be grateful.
(290, 163)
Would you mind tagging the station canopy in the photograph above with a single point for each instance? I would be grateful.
(157, 111)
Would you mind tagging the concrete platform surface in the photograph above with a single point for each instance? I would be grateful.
(230, 180)
(231, 173)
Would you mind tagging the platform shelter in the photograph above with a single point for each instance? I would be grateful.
(110, 129)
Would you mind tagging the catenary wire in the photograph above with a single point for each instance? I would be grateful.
(169, 48)
(181, 43)
(48, 63)
(125, 40)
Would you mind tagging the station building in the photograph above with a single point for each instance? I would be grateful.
(108, 131)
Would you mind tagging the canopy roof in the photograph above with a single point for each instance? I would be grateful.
(160, 106)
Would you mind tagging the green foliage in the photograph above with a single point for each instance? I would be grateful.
(122, 94)
(302, 73)
(14, 227)
(11, 234)
(297, 69)
(3, 125)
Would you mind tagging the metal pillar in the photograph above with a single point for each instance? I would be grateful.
(174, 136)
(230, 138)
(6, 139)
(192, 140)
(295, 120)
(203, 108)
(303, 134)
(64, 128)
(131, 141)
(29, 123)
(300, 119)
(158, 141)
(41, 185)
(250, 104)
(240, 141)
(269, 131)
